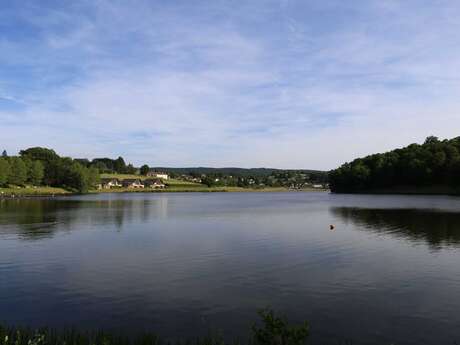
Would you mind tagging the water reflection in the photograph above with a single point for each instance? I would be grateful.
(34, 219)
(184, 264)
(436, 228)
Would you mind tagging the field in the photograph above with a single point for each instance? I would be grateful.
(169, 182)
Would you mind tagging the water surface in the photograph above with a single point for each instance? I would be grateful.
(185, 264)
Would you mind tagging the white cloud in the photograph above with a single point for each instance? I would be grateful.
(288, 84)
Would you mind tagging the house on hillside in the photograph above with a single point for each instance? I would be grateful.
(107, 183)
(132, 183)
(154, 183)
(158, 174)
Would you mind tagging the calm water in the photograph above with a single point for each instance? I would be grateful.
(184, 264)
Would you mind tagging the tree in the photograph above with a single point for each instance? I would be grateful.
(36, 173)
(4, 154)
(277, 331)
(94, 177)
(120, 165)
(4, 171)
(18, 172)
(39, 153)
(144, 169)
(101, 166)
(431, 140)
(74, 176)
(207, 180)
(130, 169)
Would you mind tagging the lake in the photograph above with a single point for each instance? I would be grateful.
(186, 264)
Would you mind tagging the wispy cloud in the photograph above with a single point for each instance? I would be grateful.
(289, 84)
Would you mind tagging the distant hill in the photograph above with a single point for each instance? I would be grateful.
(262, 172)
(432, 167)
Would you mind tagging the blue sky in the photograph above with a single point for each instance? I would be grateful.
(288, 84)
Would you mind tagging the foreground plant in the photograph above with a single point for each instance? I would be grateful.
(274, 331)
(277, 331)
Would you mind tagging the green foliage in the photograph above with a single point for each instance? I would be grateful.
(47, 167)
(208, 181)
(36, 173)
(39, 153)
(78, 178)
(130, 169)
(144, 169)
(108, 165)
(277, 331)
(435, 162)
(5, 171)
(18, 171)
(120, 166)
(94, 176)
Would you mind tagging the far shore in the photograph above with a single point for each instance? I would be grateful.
(26, 192)
(408, 190)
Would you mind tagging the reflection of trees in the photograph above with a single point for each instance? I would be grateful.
(35, 218)
(40, 218)
(437, 228)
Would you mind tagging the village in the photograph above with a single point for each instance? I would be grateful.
(157, 180)
(154, 180)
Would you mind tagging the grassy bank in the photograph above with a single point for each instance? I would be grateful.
(186, 189)
(52, 191)
(32, 191)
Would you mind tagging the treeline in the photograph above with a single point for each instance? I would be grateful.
(240, 172)
(108, 165)
(40, 166)
(434, 163)
(276, 178)
(20, 171)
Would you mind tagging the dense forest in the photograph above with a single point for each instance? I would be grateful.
(433, 163)
(40, 166)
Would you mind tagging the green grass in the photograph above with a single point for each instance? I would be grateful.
(201, 189)
(123, 176)
(31, 191)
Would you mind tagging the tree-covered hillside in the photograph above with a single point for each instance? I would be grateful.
(39, 166)
(434, 163)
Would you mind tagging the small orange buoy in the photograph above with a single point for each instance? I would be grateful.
(332, 227)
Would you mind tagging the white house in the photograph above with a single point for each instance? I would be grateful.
(132, 183)
(107, 183)
(154, 183)
(158, 174)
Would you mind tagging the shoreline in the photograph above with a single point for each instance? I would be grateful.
(39, 192)
(407, 190)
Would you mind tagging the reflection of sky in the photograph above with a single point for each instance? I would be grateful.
(215, 258)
